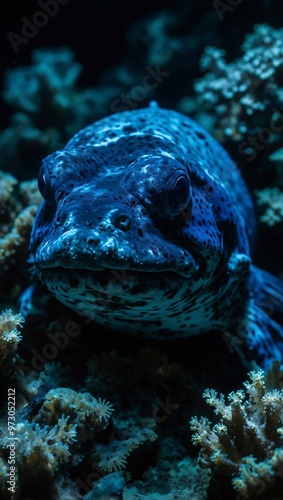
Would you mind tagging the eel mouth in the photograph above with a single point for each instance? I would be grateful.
(120, 282)
(105, 276)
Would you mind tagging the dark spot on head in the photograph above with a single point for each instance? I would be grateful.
(128, 128)
(200, 135)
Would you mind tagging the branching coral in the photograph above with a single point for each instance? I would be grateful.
(40, 452)
(112, 447)
(90, 415)
(155, 39)
(46, 99)
(52, 438)
(46, 446)
(270, 204)
(9, 338)
(29, 193)
(128, 434)
(9, 207)
(246, 444)
(245, 95)
(18, 234)
(71, 441)
(18, 206)
(135, 386)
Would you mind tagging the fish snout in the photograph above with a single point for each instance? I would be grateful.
(102, 218)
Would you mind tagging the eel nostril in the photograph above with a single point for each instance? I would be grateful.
(93, 240)
(62, 219)
(123, 222)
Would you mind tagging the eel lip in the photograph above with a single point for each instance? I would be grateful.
(123, 284)
(117, 273)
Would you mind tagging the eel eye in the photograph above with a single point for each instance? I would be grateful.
(44, 185)
(179, 192)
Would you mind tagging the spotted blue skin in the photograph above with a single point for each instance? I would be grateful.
(112, 241)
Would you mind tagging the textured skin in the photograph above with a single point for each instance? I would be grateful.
(116, 241)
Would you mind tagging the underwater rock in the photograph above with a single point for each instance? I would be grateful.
(107, 488)
(170, 478)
